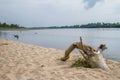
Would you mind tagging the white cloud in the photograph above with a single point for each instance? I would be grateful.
(57, 12)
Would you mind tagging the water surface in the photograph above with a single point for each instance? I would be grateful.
(62, 38)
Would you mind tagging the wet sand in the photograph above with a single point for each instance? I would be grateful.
(19, 61)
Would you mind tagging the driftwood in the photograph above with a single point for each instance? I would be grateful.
(93, 56)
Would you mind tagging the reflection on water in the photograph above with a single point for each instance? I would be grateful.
(62, 38)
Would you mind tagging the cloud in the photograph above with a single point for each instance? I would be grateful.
(58, 12)
(90, 3)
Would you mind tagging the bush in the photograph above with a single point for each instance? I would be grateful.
(81, 63)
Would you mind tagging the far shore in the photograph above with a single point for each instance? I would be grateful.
(19, 61)
(42, 28)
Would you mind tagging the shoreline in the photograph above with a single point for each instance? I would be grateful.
(25, 29)
(20, 61)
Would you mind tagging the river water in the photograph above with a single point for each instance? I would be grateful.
(62, 38)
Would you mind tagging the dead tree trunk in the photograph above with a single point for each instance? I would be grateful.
(94, 57)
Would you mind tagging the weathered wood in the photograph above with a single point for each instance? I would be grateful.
(82, 49)
(81, 43)
(68, 51)
(94, 57)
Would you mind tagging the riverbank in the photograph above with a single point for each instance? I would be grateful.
(19, 61)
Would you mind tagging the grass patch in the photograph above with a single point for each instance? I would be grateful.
(81, 63)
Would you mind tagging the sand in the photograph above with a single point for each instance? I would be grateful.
(19, 61)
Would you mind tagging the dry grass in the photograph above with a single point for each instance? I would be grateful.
(81, 63)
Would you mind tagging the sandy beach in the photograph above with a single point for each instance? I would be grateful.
(19, 61)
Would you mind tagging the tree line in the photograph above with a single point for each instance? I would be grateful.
(89, 25)
(9, 26)
(101, 25)
(94, 25)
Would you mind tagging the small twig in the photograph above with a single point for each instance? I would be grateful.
(83, 54)
(81, 43)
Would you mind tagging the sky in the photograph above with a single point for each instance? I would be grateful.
(45, 13)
